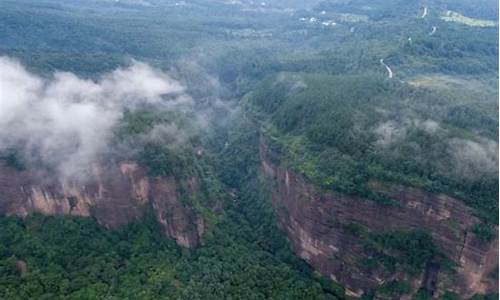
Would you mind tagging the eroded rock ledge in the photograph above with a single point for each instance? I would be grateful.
(115, 195)
(315, 221)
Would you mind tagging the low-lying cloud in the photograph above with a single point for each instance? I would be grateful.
(65, 121)
(473, 158)
(390, 132)
(460, 158)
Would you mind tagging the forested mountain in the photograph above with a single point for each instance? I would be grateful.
(280, 149)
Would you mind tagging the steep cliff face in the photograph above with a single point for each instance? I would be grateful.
(115, 195)
(319, 226)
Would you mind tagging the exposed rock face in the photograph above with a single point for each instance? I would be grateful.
(311, 220)
(114, 196)
(173, 215)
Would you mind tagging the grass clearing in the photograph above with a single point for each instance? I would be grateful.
(451, 16)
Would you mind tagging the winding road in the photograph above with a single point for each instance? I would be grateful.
(434, 28)
(389, 71)
(424, 14)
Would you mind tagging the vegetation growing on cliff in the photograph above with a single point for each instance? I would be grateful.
(394, 289)
(396, 250)
(484, 232)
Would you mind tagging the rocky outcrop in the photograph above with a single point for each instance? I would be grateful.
(315, 222)
(114, 195)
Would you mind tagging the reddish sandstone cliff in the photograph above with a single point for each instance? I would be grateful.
(114, 195)
(315, 223)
